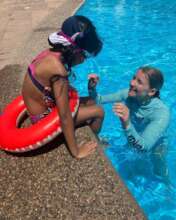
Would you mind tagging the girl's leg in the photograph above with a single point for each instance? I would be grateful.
(86, 101)
(92, 115)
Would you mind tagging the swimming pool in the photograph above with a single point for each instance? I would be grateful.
(136, 33)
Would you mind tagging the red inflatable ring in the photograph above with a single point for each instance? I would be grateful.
(15, 139)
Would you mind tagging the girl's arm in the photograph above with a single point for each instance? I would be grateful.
(102, 99)
(60, 88)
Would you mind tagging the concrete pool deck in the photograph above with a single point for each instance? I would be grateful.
(48, 183)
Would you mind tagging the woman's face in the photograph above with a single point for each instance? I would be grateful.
(139, 87)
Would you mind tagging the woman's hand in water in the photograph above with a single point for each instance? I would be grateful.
(123, 113)
(93, 80)
(86, 149)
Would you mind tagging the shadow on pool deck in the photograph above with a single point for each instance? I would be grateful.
(49, 183)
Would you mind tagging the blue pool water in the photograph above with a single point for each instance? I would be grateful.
(136, 33)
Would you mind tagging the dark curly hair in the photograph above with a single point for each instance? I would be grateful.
(87, 39)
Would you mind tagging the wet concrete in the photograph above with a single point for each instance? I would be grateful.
(49, 183)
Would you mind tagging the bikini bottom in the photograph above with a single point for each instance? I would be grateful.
(35, 118)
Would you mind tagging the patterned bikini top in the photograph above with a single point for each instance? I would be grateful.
(48, 95)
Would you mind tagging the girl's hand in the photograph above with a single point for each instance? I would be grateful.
(86, 149)
(94, 76)
(122, 112)
(93, 80)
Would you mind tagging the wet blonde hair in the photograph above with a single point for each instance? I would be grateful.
(155, 78)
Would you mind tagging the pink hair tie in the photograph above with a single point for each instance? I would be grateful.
(68, 38)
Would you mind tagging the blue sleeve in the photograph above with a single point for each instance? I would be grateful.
(151, 134)
(113, 97)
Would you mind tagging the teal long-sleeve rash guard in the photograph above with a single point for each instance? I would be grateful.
(148, 122)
